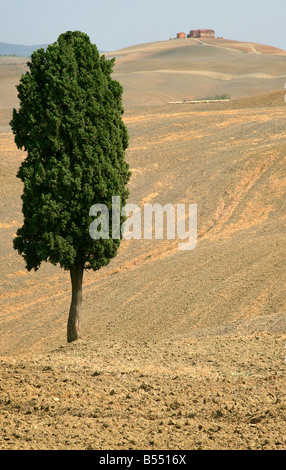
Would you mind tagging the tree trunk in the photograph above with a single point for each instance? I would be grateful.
(73, 332)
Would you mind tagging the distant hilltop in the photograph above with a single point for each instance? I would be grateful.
(20, 50)
(197, 33)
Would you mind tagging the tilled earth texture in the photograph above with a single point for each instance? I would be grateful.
(182, 349)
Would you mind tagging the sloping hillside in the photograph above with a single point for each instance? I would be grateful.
(156, 73)
(230, 162)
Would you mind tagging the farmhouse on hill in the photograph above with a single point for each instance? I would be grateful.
(198, 33)
(201, 33)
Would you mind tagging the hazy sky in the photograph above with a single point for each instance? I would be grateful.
(113, 24)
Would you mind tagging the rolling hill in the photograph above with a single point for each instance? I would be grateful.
(181, 349)
(156, 73)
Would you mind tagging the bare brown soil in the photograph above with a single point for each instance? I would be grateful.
(181, 349)
(215, 392)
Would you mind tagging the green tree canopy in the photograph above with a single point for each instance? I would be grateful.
(70, 124)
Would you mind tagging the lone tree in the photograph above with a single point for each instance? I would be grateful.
(70, 124)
